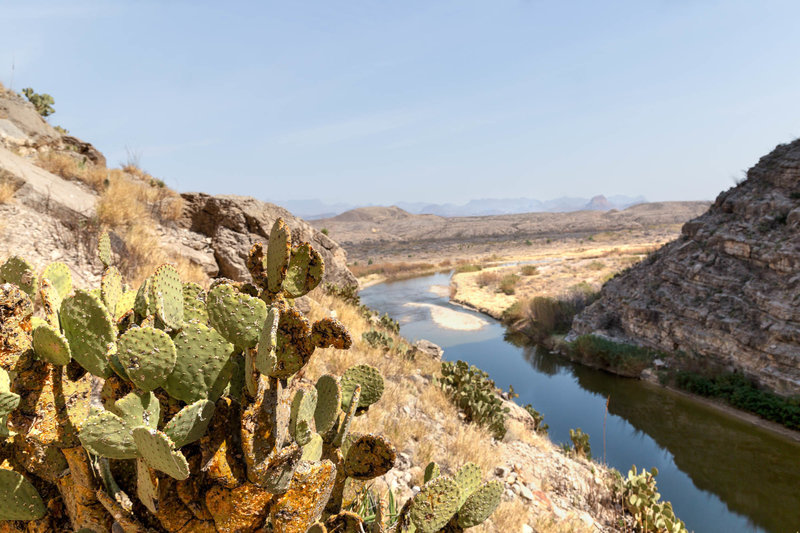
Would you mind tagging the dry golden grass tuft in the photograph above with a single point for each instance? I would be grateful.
(73, 168)
(7, 191)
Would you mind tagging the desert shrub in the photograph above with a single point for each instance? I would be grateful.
(508, 284)
(642, 500)
(542, 316)
(348, 293)
(324, 231)
(42, 102)
(485, 279)
(73, 167)
(538, 419)
(529, 270)
(389, 323)
(468, 268)
(624, 359)
(580, 443)
(475, 395)
(738, 391)
(378, 339)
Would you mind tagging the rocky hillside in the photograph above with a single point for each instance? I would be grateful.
(728, 289)
(56, 193)
(391, 224)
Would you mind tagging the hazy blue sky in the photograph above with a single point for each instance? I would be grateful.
(381, 101)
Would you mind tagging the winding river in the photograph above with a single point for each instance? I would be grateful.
(720, 473)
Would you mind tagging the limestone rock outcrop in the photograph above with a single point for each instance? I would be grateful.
(728, 289)
(234, 223)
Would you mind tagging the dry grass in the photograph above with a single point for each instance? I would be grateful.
(7, 191)
(73, 168)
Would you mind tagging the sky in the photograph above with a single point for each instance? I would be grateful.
(418, 100)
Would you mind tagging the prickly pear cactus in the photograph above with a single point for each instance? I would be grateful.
(171, 409)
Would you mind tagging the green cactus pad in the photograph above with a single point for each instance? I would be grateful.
(148, 356)
(8, 402)
(257, 265)
(194, 303)
(238, 317)
(19, 499)
(371, 383)
(89, 329)
(303, 433)
(159, 452)
(166, 290)
(111, 289)
(138, 410)
(468, 478)
(104, 249)
(50, 345)
(278, 255)
(202, 367)
(303, 405)
(431, 471)
(312, 450)
(144, 305)
(125, 304)
(480, 504)
(190, 423)
(305, 271)
(146, 486)
(434, 505)
(60, 276)
(329, 332)
(19, 272)
(293, 350)
(281, 469)
(369, 457)
(51, 302)
(329, 398)
(344, 428)
(266, 358)
(107, 435)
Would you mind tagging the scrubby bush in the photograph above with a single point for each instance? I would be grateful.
(623, 359)
(475, 395)
(580, 443)
(538, 419)
(42, 102)
(508, 284)
(529, 270)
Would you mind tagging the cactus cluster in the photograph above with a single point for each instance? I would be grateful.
(172, 408)
(474, 393)
(641, 498)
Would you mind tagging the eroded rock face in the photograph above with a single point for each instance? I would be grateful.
(729, 288)
(235, 223)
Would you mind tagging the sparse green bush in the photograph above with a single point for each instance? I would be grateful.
(42, 102)
(475, 395)
(738, 391)
(538, 419)
(508, 284)
(324, 231)
(347, 293)
(623, 359)
(542, 316)
(528, 242)
(529, 270)
(468, 268)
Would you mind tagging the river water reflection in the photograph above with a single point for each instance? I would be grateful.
(721, 474)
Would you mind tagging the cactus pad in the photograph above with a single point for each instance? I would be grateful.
(111, 289)
(166, 290)
(51, 302)
(194, 303)
(312, 450)
(281, 469)
(434, 505)
(19, 499)
(266, 358)
(257, 265)
(89, 329)
(305, 271)
(60, 276)
(104, 249)
(146, 486)
(369, 457)
(19, 272)
(329, 398)
(138, 410)
(144, 304)
(50, 345)
(125, 304)
(190, 423)
(107, 435)
(238, 317)
(431, 471)
(480, 504)
(202, 367)
(303, 405)
(293, 350)
(159, 452)
(329, 332)
(278, 255)
(468, 478)
(148, 356)
(371, 383)
(8, 402)
(344, 428)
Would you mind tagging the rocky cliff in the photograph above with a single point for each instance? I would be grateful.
(727, 290)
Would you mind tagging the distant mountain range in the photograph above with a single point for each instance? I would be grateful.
(313, 209)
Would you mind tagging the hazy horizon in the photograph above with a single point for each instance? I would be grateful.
(438, 102)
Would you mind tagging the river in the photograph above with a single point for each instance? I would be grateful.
(720, 473)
